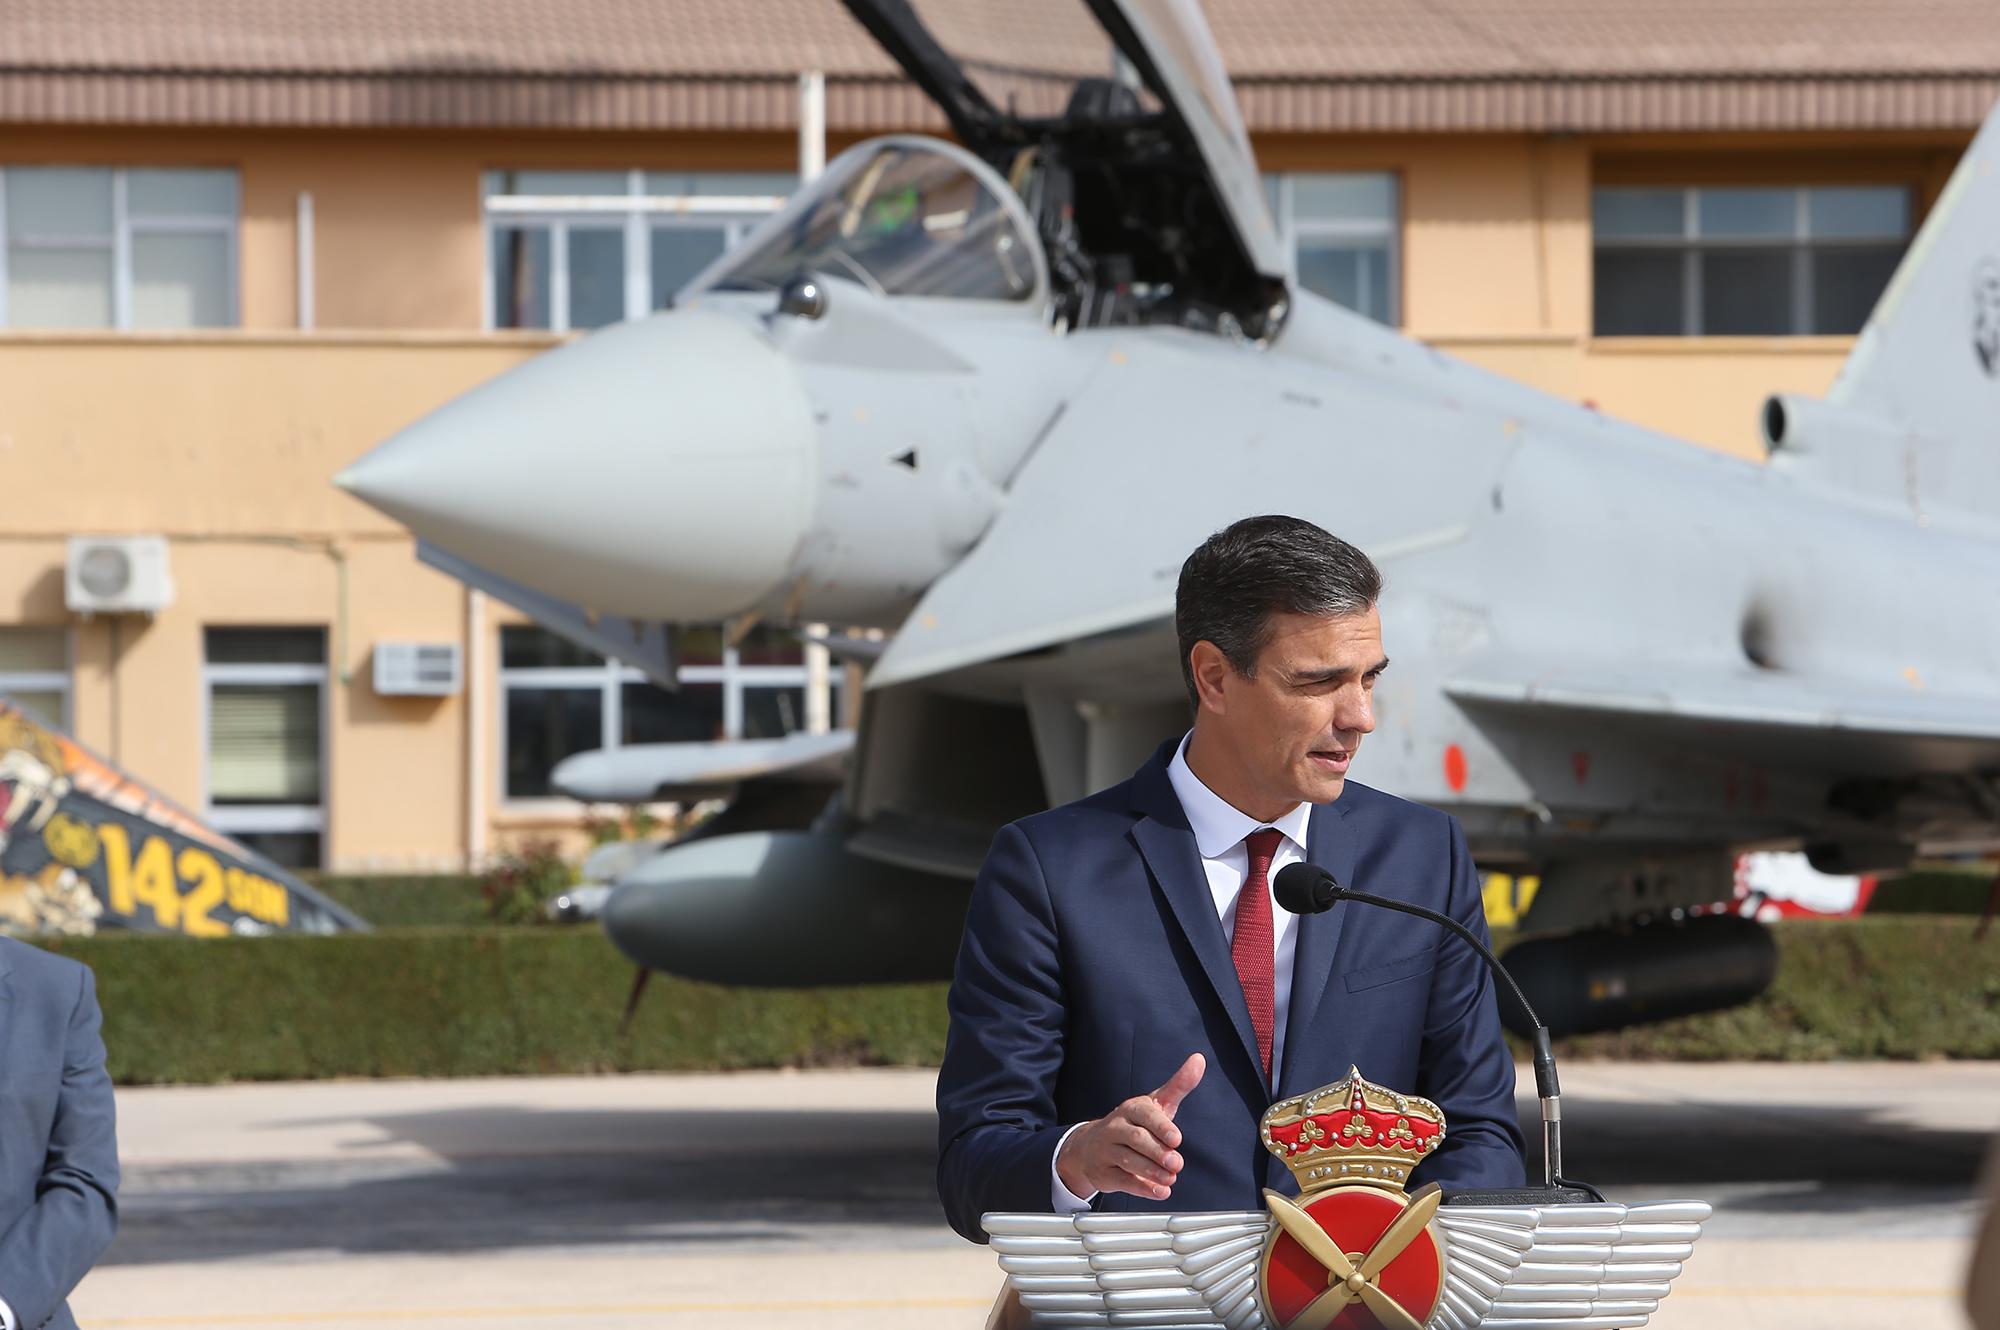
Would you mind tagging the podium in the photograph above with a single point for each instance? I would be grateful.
(1355, 1249)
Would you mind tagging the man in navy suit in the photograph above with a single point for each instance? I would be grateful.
(58, 1144)
(1129, 999)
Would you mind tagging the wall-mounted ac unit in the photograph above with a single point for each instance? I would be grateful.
(418, 669)
(117, 575)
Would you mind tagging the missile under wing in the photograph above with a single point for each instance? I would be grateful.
(1005, 387)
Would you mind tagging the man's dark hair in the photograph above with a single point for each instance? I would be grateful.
(1248, 571)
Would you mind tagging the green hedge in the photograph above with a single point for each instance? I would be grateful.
(450, 899)
(498, 1001)
(474, 1002)
(1907, 987)
(1935, 891)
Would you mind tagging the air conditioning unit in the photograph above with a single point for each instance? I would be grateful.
(117, 575)
(418, 669)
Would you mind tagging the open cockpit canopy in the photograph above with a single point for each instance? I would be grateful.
(1114, 122)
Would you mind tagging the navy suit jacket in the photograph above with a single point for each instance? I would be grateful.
(1094, 962)
(58, 1145)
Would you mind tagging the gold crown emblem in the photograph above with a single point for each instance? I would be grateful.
(1352, 1131)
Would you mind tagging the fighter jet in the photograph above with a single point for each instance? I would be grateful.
(987, 395)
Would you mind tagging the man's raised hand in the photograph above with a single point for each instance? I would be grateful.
(1135, 1148)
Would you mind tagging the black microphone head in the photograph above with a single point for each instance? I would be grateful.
(1304, 888)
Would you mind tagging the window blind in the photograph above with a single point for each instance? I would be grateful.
(264, 743)
(47, 705)
(31, 650)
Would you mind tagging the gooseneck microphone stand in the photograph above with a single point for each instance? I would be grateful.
(1306, 888)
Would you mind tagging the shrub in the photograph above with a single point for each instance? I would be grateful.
(520, 884)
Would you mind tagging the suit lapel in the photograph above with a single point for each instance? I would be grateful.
(1167, 843)
(1330, 844)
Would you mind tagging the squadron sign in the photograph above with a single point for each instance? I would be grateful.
(84, 846)
(1355, 1250)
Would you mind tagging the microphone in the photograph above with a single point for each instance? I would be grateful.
(1306, 888)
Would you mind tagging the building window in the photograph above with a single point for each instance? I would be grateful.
(580, 249)
(99, 247)
(266, 705)
(1341, 228)
(1744, 260)
(34, 671)
(559, 699)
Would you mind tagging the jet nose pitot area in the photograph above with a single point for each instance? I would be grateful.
(661, 468)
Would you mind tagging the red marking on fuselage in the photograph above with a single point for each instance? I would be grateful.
(1454, 768)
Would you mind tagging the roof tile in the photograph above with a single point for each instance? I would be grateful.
(1386, 65)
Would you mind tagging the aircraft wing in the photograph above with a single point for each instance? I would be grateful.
(1740, 698)
(1091, 542)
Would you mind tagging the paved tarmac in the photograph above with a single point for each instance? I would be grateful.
(1843, 1199)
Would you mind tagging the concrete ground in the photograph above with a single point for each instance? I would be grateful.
(1843, 1199)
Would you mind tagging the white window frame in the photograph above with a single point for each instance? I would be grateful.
(1690, 244)
(1389, 230)
(125, 225)
(635, 212)
(610, 679)
(46, 681)
(231, 819)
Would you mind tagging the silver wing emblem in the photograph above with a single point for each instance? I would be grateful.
(1135, 1270)
(1601, 1266)
(1592, 1267)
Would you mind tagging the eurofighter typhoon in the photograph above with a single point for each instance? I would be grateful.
(987, 397)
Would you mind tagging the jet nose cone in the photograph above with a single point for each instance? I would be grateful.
(661, 469)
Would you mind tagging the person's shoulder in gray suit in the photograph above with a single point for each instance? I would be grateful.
(58, 1137)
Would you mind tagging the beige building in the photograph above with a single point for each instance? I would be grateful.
(240, 245)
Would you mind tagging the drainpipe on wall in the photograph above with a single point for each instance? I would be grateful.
(112, 676)
(812, 161)
(819, 696)
(812, 124)
(305, 261)
(475, 729)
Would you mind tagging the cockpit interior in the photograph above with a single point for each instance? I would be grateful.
(1130, 220)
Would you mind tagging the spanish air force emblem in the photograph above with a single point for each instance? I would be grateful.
(1355, 1250)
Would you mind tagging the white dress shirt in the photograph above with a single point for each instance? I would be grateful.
(1219, 830)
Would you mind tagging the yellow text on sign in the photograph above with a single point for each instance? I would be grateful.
(182, 891)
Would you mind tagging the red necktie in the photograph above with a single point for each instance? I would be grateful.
(1250, 946)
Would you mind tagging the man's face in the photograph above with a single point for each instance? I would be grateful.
(1296, 722)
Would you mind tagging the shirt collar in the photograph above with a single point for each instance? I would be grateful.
(1219, 825)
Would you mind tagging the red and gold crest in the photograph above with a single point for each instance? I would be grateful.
(1355, 1251)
